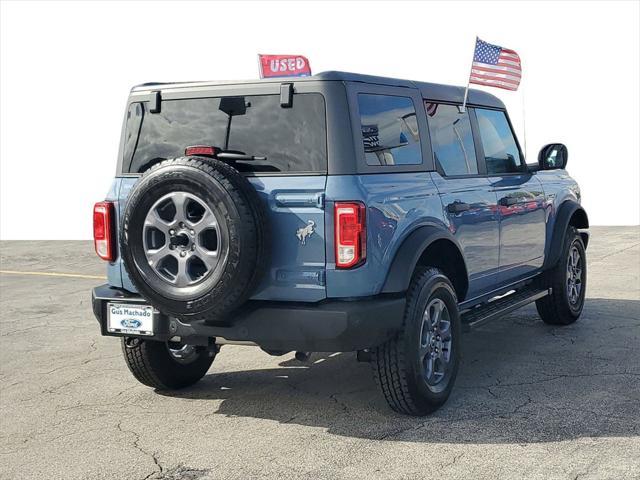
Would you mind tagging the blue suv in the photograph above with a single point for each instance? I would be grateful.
(338, 212)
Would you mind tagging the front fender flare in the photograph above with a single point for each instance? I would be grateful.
(565, 213)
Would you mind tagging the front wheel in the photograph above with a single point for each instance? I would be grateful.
(165, 365)
(416, 370)
(568, 282)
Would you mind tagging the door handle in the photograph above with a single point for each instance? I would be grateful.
(458, 207)
(508, 201)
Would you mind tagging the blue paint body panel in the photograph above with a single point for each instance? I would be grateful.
(477, 230)
(397, 203)
(522, 226)
(558, 187)
(500, 245)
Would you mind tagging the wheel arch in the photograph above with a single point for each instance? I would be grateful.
(569, 214)
(428, 246)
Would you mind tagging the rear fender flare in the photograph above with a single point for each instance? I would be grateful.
(409, 253)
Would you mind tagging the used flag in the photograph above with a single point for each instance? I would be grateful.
(283, 66)
(495, 66)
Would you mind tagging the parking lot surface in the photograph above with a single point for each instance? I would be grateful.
(531, 400)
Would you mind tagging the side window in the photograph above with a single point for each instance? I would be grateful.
(451, 139)
(500, 149)
(134, 120)
(389, 130)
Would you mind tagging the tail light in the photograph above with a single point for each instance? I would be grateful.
(350, 234)
(103, 230)
(202, 150)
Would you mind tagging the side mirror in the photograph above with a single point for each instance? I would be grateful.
(553, 156)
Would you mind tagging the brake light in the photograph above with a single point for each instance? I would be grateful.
(350, 234)
(103, 230)
(205, 150)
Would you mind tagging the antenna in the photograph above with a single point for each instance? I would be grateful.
(524, 124)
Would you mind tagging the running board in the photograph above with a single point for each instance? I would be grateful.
(482, 314)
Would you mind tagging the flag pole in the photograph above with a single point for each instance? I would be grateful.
(466, 91)
(524, 124)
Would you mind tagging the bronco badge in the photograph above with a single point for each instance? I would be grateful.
(305, 232)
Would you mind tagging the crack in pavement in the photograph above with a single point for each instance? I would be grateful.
(136, 444)
(454, 461)
(340, 403)
(598, 260)
(549, 379)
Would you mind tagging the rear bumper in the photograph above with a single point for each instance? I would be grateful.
(329, 326)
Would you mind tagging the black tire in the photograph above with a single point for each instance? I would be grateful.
(245, 238)
(152, 364)
(398, 365)
(557, 308)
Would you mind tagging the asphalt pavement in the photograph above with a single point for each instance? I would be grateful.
(531, 400)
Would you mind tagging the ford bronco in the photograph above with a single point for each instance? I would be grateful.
(337, 212)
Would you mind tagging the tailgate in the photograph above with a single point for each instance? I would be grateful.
(295, 205)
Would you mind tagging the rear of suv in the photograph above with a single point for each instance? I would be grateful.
(338, 212)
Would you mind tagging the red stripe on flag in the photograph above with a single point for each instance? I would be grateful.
(502, 63)
(496, 79)
(495, 70)
(493, 83)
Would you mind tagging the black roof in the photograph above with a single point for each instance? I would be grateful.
(430, 91)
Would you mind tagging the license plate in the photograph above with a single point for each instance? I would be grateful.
(130, 319)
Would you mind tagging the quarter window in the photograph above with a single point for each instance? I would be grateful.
(500, 149)
(451, 139)
(134, 120)
(389, 130)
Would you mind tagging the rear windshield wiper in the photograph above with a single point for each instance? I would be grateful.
(233, 156)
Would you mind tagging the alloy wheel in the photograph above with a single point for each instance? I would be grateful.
(182, 239)
(435, 342)
(574, 275)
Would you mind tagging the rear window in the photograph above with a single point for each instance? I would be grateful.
(292, 139)
(389, 130)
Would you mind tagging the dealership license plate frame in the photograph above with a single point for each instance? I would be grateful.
(118, 312)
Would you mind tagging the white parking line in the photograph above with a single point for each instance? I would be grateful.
(54, 274)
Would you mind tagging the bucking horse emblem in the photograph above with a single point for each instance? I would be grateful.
(305, 232)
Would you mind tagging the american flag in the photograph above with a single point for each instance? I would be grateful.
(431, 108)
(495, 66)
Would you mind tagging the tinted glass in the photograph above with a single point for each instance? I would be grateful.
(292, 139)
(451, 139)
(389, 130)
(500, 149)
(134, 120)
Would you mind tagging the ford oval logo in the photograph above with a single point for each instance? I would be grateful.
(130, 323)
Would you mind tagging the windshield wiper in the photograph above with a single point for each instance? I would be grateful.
(233, 156)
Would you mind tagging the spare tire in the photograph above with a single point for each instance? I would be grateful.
(194, 238)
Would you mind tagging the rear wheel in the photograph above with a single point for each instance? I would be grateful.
(416, 370)
(166, 365)
(568, 281)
